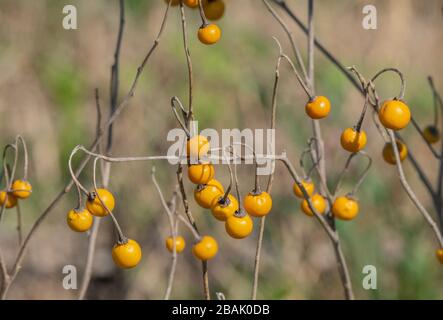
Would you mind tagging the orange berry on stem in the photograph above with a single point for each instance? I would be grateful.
(191, 3)
(318, 107)
(179, 244)
(389, 155)
(127, 254)
(205, 249)
(204, 194)
(258, 204)
(201, 173)
(209, 34)
(318, 202)
(94, 205)
(394, 114)
(7, 200)
(197, 147)
(21, 189)
(214, 9)
(353, 141)
(222, 209)
(239, 225)
(439, 255)
(307, 184)
(79, 220)
(345, 208)
(431, 134)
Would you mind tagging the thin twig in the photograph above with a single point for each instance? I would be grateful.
(188, 62)
(173, 233)
(291, 38)
(115, 70)
(19, 224)
(89, 259)
(271, 176)
(411, 193)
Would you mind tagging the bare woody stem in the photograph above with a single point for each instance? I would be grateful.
(115, 71)
(271, 176)
(25, 156)
(291, 38)
(412, 194)
(173, 232)
(19, 225)
(355, 83)
(190, 113)
(202, 13)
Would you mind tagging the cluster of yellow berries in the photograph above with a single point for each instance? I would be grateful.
(394, 114)
(210, 194)
(20, 189)
(344, 207)
(127, 252)
(208, 33)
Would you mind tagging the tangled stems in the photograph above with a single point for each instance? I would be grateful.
(346, 169)
(9, 173)
(256, 189)
(411, 194)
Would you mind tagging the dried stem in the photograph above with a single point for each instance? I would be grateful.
(19, 224)
(271, 176)
(25, 156)
(412, 194)
(173, 232)
(188, 61)
(291, 38)
(115, 70)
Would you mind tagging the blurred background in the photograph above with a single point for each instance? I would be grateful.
(47, 82)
